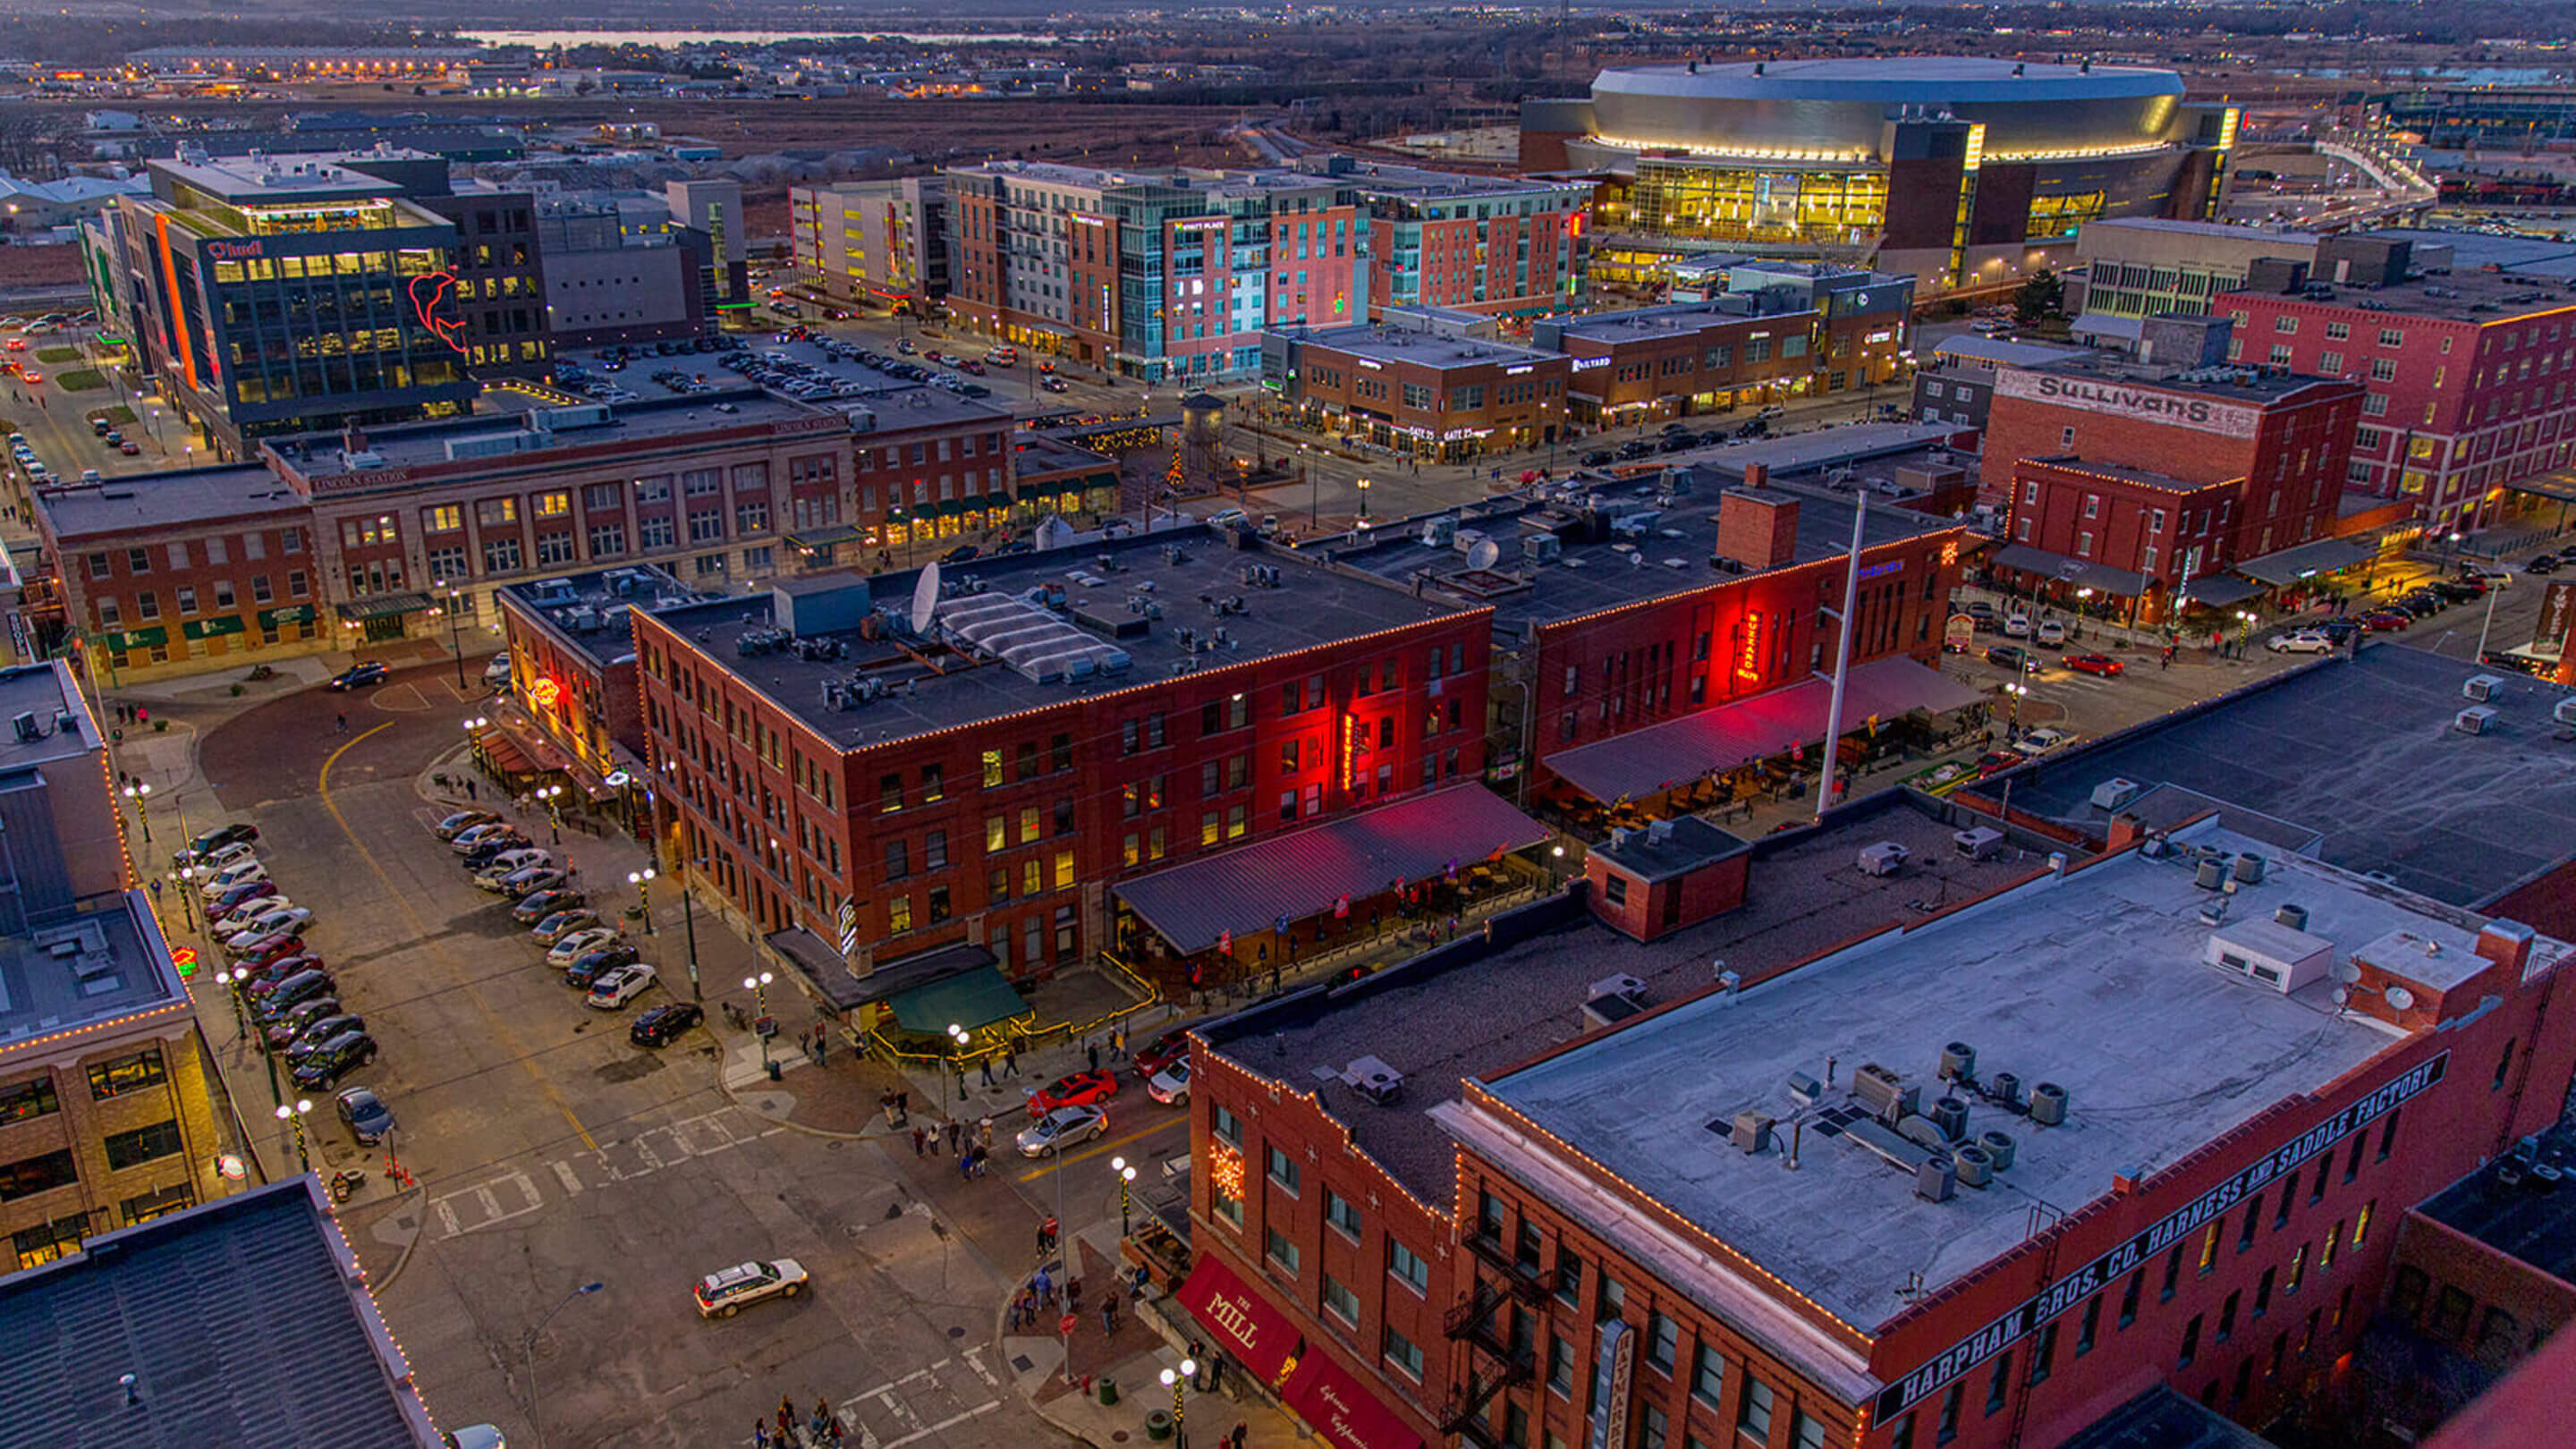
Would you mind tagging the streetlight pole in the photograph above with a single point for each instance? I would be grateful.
(232, 978)
(640, 879)
(758, 986)
(536, 1401)
(140, 792)
(455, 625)
(957, 1040)
(1179, 1383)
(1364, 488)
(1126, 1176)
(689, 924)
(552, 795)
(188, 889)
(294, 1116)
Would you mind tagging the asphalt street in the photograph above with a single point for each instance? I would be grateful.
(551, 1152)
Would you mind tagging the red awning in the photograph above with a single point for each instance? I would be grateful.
(1342, 1409)
(1259, 1336)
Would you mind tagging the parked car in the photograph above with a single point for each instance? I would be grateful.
(589, 966)
(1995, 762)
(2340, 631)
(2049, 634)
(257, 955)
(223, 890)
(1171, 1085)
(242, 914)
(227, 856)
(492, 848)
(620, 985)
(542, 898)
(2040, 742)
(270, 922)
(564, 923)
(2544, 563)
(272, 999)
(1162, 1051)
(724, 1293)
(321, 1032)
(258, 944)
(2102, 665)
(299, 1018)
(358, 676)
(2305, 641)
(216, 839)
(366, 1114)
(2381, 620)
(1074, 1089)
(464, 820)
(2010, 656)
(491, 874)
(568, 949)
(2016, 625)
(334, 1059)
(663, 1024)
(1060, 1129)
(472, 837)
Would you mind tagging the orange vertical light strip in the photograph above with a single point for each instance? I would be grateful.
(178, 314)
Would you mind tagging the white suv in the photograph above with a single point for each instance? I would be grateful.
(723, 1293)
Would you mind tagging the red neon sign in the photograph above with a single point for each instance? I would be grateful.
(1748, 646)
(433, 300)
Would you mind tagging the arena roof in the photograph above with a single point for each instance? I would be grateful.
(1890, 78)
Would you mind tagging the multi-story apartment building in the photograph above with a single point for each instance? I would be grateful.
(1499, 245)
(498, 293)
(1625, 625)
(871, 789)
(2285, 434)
(1436, 396)
(2466, 376)
(1153, 274)
(1478, 1225)
(882, 243)
(282, 295)
(107, 1116)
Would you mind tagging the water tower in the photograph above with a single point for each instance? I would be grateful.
(1202, 451)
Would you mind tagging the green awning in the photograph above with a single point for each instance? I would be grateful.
(151, 637)
(210, 628)
(974, 1001)
(826, 538)
(381, 606)
(291, 614)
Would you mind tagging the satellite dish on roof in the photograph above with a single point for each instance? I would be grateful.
(2346, 972)
(925, 598)
(2399, 997)
(1483, 554)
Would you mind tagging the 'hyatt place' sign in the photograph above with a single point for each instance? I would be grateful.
(2197, 413)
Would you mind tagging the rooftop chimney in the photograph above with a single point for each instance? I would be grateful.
(1756, 529)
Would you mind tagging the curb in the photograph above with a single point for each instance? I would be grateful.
(866, 1134)
(419, 1190)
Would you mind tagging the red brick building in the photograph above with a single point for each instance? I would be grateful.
(1792, 1205)
(1668, 361)
(2140, 535)
(2466, 376)
(1451, 398)
(982, 784)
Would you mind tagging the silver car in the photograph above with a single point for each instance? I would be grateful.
(1060, 1129)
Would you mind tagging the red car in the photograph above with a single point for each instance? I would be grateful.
(2378, 620)
(1075, 1089)
(1168, 1048)
(2101, 664)
(269, 948)
(1995, 762)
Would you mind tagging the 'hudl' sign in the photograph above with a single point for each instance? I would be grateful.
(2197, 413)
(2183, 1221)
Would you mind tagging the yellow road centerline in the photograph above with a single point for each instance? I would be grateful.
(1067, 1159)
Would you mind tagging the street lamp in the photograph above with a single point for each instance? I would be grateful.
(294, 1116)
(454, 594)
(536, 1401)
(2012, 720)
(758, 986)
(232, 977)
(640, 879)
(1126, 1177)
(1178, 1383)
(1364, 488)
(957, 1041)
(1557, 854)
(139, 792)
(552, 795)
(187, 890)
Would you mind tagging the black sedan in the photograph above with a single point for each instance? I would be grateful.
(216, 839)
(589, 965)
(359, 675)
(335, 1059)
(663, 1024)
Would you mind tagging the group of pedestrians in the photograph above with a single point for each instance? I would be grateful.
(818, 1430)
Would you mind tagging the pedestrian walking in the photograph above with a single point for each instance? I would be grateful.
(1046, 1238)
(1073, 1295)
(966, 1167)
(984, 1131)
(832, 1431)
(340, 722)
(1046, 1289)
(1118, 1045)
(760, 1434)
(956, 1130)
(1053, 1234)
(1011, 1059)
(1240, 1429)
(823, 1416)
(1197, 1354)
(985, 1066)
(469, 787)
(1109, 1314)
(903, 1104)
(1092, 1049)
(1216, 1373)
(786, 1418)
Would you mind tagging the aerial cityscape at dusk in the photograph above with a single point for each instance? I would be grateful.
(1391, 727)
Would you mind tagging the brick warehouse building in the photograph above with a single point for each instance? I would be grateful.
(2137, 532)
(1441, 397)
(1718, 1218)
(2467, 375)
(1629, 616)
(810, 751)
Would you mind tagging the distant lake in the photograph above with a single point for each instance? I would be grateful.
(547, 38)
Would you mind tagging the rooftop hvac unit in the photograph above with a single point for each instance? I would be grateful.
(25, 725)
(1465, 539)
(1887, 857)
(1999, 1149)
(1973, 1166)
(1980, 843)
(1885, 1094)
(2048, 1105)
(2481, 687)
(1439, 532)
(2249, 869)
(2273, 953)
(2565, 711)
(1752, 1131)
(1375, 1080)
(1934, 1180)
(1542, 547)
(1958, 1062)
(2112, 794)
(2475, 720)
(1950, 1114)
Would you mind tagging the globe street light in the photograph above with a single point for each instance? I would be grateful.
(957, 1041)
(552, 795)
(640, 879)
(294, 1116)
(1364, 488)
(232, 979)
(1177, 1383)
(758, 986)
(139, 792)
(188, 889)
(1126, 1177)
